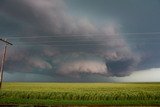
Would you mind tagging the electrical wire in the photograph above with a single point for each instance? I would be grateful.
(72, 39)
(12, 36)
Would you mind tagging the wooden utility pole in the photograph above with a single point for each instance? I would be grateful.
(3, 59)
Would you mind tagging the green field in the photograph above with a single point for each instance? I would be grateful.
(80, 93)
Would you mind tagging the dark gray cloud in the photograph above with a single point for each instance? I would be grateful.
(135, 16)
(76, 46)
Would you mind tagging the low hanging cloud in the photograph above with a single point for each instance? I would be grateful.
(76, 63)
(105, 50)
(83, 67)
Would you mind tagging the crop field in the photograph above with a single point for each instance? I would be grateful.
(80, 93)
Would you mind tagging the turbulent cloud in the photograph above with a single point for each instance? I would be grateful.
(38, 63)
(104, 49)
(76, 63)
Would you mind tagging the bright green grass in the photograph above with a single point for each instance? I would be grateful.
(81, 93)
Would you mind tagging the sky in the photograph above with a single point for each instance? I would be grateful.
(81, 40)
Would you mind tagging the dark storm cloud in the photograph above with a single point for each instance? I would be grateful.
(84, 47)
(135, 16)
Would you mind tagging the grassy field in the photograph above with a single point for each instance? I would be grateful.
(80, 93)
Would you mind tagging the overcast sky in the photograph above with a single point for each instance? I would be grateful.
(81, 40)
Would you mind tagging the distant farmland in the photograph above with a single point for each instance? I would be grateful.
(80, 94)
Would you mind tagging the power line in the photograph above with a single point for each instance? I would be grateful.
(75, 45)
(72, 39)
(58, 45)
(94, 38)
(126, 33)
(74, 42)
(77, 35)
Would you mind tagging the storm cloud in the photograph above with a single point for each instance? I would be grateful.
(49, 40)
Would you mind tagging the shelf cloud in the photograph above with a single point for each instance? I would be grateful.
(53, 41)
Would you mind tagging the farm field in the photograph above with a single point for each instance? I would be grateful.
(80, 94)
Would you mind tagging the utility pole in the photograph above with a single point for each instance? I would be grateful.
(3, 59)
